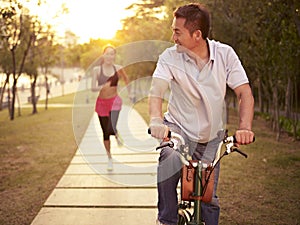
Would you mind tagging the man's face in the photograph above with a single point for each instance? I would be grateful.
(181, 35)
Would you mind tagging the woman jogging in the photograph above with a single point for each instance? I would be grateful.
(108, 105)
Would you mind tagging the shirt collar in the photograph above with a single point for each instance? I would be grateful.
(211, 46)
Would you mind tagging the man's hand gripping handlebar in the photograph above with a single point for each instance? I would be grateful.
(230, 143)
(177, 142)
(158, 129)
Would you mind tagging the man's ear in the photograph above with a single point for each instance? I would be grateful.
(198, 35)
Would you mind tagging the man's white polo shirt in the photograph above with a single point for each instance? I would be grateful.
(196, 102)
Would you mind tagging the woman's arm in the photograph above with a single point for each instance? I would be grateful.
(122, 74)
(95, 87)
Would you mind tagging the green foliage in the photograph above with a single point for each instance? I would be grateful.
(263, 115)
(290, 126)
(148, 23)
(265, 35)
(25, 43)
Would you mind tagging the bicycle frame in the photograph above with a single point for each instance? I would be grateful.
(196, 218)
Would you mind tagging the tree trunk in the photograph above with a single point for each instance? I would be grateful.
(19, 103)
(295, 114)
(260, 97)
(14, 90)
(33, 96)
(276, 122)
(287, 106)
(47, 91)
(9, 101)
(3, 92)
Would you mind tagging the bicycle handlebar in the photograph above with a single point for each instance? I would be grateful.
(171, 141)
(176, 141)
(169, 133)
(233, 139)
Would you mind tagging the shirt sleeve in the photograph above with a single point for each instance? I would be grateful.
(162, 69)
(236, 74)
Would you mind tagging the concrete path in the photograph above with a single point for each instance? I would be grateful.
(88, 194)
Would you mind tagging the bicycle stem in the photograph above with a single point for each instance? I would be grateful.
(197, 203)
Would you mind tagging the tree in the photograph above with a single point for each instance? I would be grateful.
(5, 63)
(15, 27)
(148, 23)
(268, 45)
(21, 36)
(47, 54)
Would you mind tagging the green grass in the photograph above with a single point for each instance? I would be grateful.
(36, 149)
(264, 188)
(66, 99)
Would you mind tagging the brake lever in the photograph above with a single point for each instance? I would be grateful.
(166, 144)
(231, 148)
(239, 151)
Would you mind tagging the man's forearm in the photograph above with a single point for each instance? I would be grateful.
(155, 107)
(244, 134)
(246, 110)
(157, 91)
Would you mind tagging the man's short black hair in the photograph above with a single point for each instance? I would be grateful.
(197, 18)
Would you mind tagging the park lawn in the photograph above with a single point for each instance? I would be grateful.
(36, 149)
(264, 188)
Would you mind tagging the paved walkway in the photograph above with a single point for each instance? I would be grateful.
(88, 194)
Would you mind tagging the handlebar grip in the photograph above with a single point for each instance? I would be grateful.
(169, 133)
(234, 139)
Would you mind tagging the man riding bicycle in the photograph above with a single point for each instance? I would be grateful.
(197, 71)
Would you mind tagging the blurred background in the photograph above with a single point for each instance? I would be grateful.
(44, 44)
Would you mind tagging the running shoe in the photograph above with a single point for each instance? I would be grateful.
(110, 165)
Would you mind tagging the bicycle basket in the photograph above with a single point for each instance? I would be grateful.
(188, 179)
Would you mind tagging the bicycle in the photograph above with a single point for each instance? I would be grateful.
(197, 177)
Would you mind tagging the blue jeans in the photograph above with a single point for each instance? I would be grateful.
(168, 175)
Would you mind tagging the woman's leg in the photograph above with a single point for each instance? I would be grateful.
(107, 148)
(114, 115)
(104, 122)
